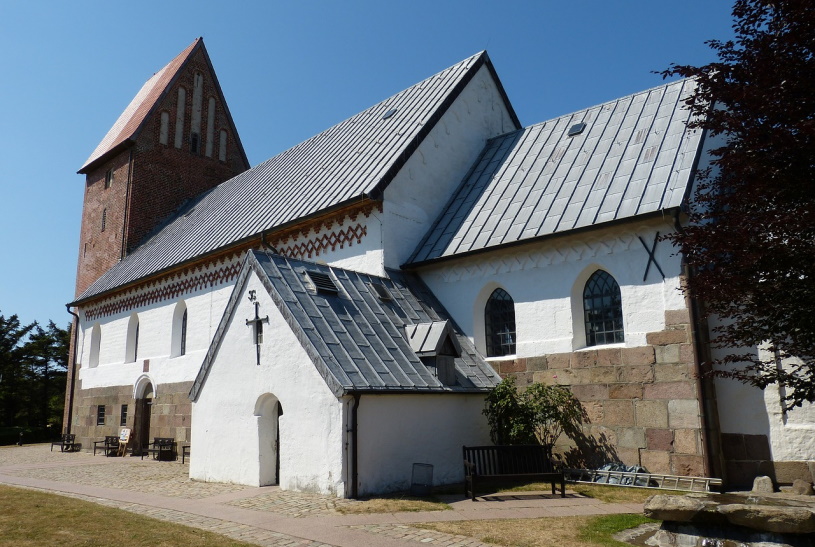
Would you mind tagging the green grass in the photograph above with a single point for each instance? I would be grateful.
(30, 518)
(600, 530)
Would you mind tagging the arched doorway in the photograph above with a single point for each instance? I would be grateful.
(144, 394)
(267, 412)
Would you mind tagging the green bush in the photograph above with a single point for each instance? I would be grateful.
(537, 415)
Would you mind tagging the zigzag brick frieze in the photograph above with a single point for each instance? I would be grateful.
(286, 242)
(227, 272)
(320, 244)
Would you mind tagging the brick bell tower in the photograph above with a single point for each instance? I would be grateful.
(175, 140)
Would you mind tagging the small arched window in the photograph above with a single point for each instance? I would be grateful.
(132, 342)
(96, 342)
(603, 310)
(499, 324)
(178, 343)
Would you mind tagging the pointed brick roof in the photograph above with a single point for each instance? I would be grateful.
(131, 121)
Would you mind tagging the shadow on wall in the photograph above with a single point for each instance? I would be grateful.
(589, 452)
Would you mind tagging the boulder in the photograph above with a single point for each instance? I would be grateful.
(687, 508)
(763, 485)
(802, 488)
(782, 520)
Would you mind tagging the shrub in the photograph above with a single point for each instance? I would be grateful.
(537, 415)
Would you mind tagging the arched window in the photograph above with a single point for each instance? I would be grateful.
(499, 324)
(178, 343)
(132, 343)
(96, 341)
(603, 310)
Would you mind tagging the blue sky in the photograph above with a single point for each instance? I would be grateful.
(288, 70)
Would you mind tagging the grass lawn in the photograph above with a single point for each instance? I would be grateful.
(31, 518)
(561, 531)
(543, 532)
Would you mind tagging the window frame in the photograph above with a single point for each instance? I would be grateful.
(500, 321)
(602, 306)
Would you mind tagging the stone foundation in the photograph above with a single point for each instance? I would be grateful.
(642, 403)
(170, 416)
(749, 456)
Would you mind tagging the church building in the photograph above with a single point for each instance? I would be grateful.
(331, 316)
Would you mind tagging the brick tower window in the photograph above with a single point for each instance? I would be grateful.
(104, 219)
(109, 178)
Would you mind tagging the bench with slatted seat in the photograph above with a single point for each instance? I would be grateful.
(66, 443)
(504, 464)
(162, 448)
(109, 447)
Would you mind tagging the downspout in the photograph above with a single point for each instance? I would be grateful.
(708, 415)
(354, 452)
(72, 364)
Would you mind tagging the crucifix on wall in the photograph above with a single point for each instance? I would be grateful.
(257, 324)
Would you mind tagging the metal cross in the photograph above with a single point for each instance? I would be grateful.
(257, 324)
(651, 257)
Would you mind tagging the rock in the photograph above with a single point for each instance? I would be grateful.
(802, 488)
(679, 509)
(782, 520)
(763, 485)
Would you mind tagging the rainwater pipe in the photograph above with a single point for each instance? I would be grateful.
(354, 431)
(698, 355)
(67, 425)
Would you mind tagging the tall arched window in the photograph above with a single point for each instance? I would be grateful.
(96, 341)
(132, 342)
(603, 310)
(178, 343)
(499, 324)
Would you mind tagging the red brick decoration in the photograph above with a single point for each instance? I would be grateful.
(225, 273)
(321, 244)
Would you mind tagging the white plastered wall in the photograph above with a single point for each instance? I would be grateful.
(205, 307)
(225, 432)
(396, 431)
(424, 185)
(747, 410)
(546, 281)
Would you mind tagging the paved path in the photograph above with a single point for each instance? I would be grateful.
(264, 516)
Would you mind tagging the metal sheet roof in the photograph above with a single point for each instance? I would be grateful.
(354, 159)
(355, 338)
(635, 156)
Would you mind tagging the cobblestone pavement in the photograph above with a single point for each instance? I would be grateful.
(260, 516)
(428, 537)
(294, 504)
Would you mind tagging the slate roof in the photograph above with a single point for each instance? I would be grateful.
(353, 160)
(355, 339)
(635, 156)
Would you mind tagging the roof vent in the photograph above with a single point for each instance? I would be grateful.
(389, 113)
(577, 129)
(381, 291)
(322, 282)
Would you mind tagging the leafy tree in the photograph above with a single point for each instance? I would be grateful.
(751, 239)
(539, 414)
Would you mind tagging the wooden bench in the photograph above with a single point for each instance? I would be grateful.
(109, 447)
(161, 448)
(66, 443)
(502, 464)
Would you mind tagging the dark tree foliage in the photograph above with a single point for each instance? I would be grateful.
(751, 240)
(33, 364)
